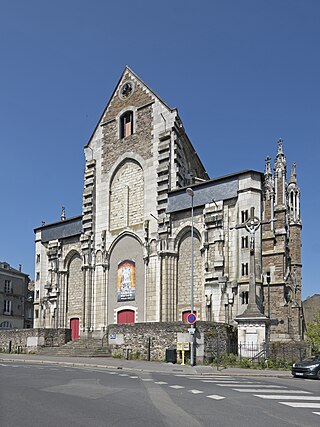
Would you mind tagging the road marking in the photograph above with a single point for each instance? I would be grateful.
(227, 382)
(301, 404)
(160, 382)
(316, 413)
(263, 390)
(112, 373)
(216, 397)
(195, 391)
(250, 385)
(134, 376)
(279, 396)
(146, 379)
(176, 386)
(123, 375)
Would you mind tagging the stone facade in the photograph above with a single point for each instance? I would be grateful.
(127, 258)
(16, 298)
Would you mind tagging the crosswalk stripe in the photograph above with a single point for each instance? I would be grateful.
(279, 396)
(134, 376)
(301, 404)
(195, 391)
(176, 386)
(316, 413)
(123, 375)
(147, 379)
(263, 390)
(216, 397)
(250, 385)
(160, 382)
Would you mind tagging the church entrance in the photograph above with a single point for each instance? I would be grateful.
(75, 330)
(185, 315)
(125, 316)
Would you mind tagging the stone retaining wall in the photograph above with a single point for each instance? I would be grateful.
(30, 340)
(151, 340)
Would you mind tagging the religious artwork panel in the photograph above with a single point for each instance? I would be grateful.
(126, 281)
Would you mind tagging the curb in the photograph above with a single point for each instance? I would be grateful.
(267, 374)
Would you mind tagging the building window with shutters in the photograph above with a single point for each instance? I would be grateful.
(244, 269)
(244, 297)
(126, 124)
(244, 216)
(244, 242)
(7, 307)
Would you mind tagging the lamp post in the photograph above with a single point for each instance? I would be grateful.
(190, 193)
(268, 327)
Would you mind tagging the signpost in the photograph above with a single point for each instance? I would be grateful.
(183, 346)
(191, 319)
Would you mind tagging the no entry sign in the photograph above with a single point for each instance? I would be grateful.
(192, 318)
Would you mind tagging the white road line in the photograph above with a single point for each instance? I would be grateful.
(160, 382)
(176, 386)
(134, 376)
(250, 385)
(301, 404)
(263, 390)
(195, 391)
(216, 397)
(227, 382)
(316, 413)
(112, 373)
(146, 379)
(123, 375)
(279, 396)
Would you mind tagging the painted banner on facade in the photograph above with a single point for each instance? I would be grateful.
(126, 281)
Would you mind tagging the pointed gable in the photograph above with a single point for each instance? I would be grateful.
(130, 91)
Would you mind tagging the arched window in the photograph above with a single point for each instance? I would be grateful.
(126, 124)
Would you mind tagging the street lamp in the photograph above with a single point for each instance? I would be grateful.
(268, 327)
(190, 193)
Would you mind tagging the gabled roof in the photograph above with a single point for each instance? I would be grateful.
(127, 69)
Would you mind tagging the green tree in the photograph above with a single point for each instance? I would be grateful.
(313, 333)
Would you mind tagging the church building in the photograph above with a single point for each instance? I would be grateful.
(128, 257)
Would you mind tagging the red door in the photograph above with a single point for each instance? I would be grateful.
(74, 326)
(185, 315)
(125, 316)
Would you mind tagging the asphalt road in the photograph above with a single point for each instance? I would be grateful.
(54, 396)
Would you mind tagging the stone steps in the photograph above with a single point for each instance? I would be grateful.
(78, 348)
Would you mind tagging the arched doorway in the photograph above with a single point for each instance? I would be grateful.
(75, 328)
(125, 316)
(185, 315)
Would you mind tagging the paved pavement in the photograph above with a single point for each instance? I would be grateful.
(140, 365)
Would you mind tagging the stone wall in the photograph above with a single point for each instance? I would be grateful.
(30, 340)
(133, 341)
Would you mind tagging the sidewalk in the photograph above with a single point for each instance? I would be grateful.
(141, 365)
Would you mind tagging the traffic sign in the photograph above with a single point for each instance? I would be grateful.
(192, 318)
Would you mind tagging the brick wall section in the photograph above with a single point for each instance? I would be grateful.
(218, 337)
(126, 198)
(75, 288)
(45, 337)
(138, 99)
(141, 140)
(184, 275)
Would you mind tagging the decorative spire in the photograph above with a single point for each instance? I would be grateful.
(268, 166)
(63, 214)
(280, 161)
(293, 175)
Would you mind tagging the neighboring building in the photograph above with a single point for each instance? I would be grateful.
(311, 307)
(127, 257)
(16, 299)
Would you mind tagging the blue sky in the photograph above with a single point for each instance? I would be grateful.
(241, 73)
